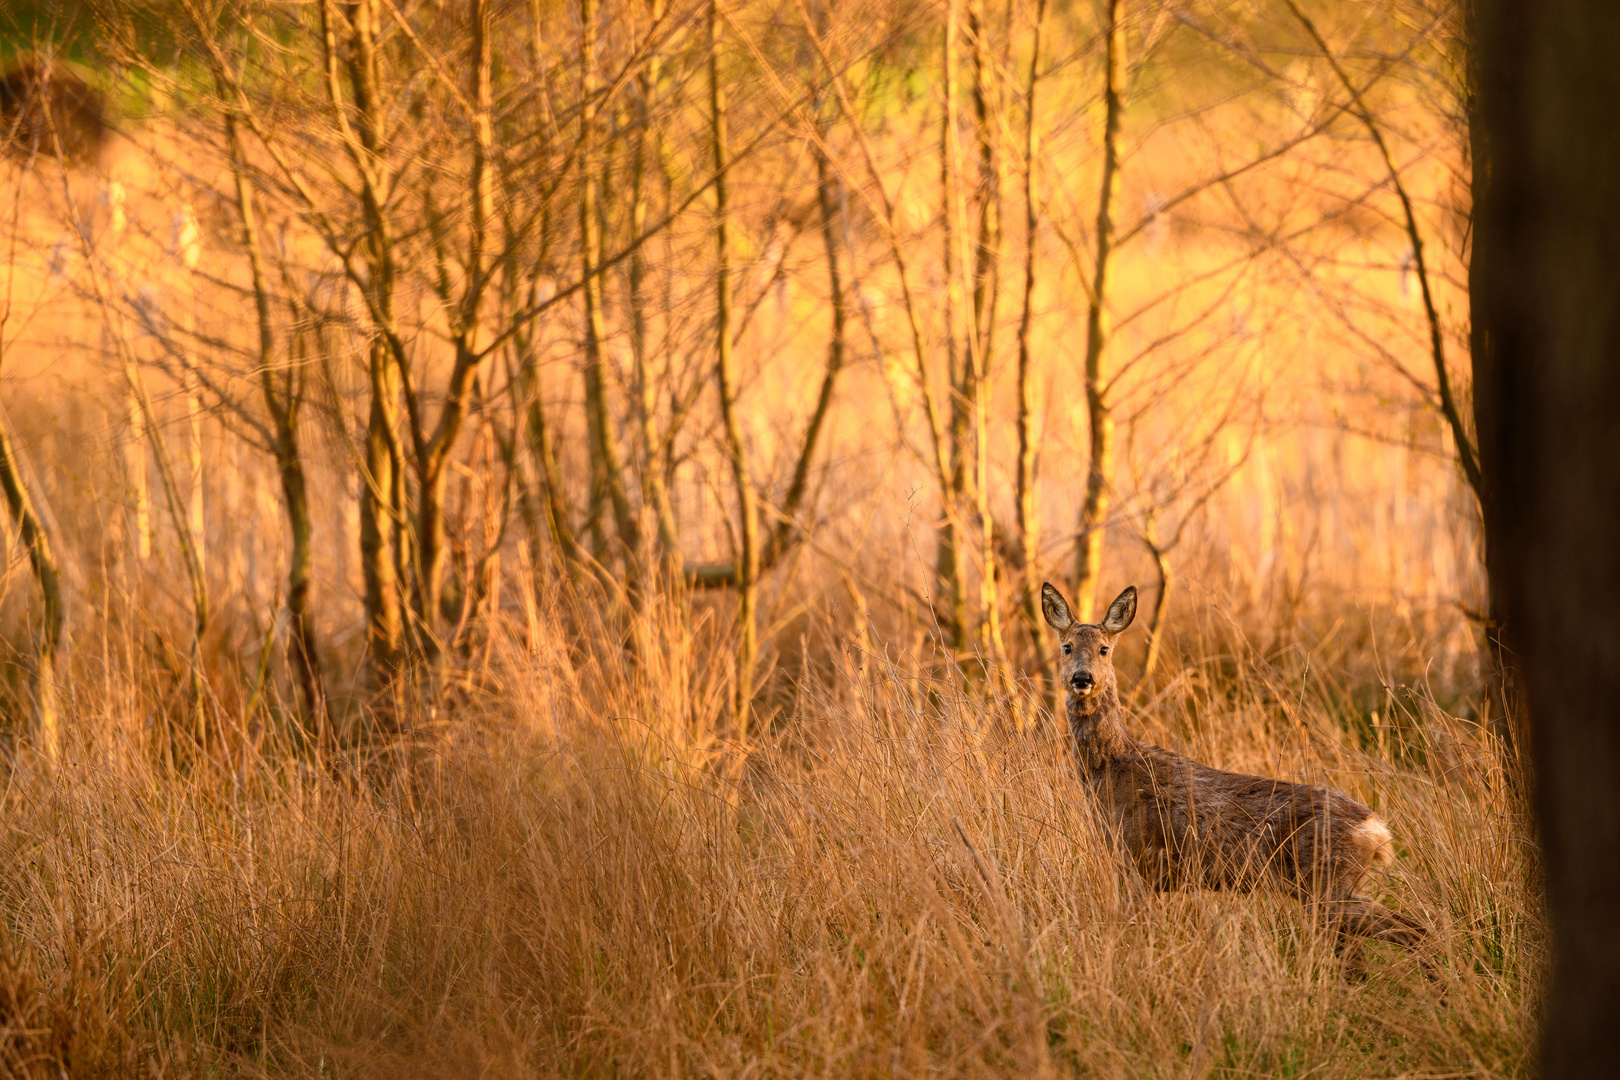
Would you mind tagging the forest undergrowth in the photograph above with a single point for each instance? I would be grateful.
(558, 868)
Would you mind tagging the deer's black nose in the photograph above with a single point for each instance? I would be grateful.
(1080, 680)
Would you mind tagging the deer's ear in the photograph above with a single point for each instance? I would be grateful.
(1121, 611)
(1055, 608)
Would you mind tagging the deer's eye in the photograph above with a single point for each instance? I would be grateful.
(1067, 649)
(1103, 651)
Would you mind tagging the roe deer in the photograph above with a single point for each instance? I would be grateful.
(1185, 824)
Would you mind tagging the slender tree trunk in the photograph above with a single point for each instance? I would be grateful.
(1028, 515)
(981, 351)
(379, 569)
(537, 430)
(726, 377)
(433, 453)
(837, 350)
(1509, 713)
(789, 529)
(305, 646)
(531, 484)
(196, 516)
(135, 462)
(950, 555)
(829, 201)
(540, 489)
(1466, 457)
(607, 468)
(648, 148)
(432, 550)
(47, 723)
(1094, 513)
(384, 529)
(540, 457)
(1544, 292)
(897, 252)
(190, 556)
(281, 398)
(1161, 606)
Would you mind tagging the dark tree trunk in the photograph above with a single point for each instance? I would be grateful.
(1547, 298)
(1507, 709)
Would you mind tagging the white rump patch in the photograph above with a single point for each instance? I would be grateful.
(1376, 834)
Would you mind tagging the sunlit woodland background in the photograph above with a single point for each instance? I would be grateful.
(525, 520)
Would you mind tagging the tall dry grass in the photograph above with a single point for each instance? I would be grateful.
(560, 871)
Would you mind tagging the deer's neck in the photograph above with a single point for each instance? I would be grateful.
(1098, 726)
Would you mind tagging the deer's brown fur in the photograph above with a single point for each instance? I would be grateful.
(1186, 825)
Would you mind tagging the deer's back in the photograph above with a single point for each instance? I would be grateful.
(1187, 824)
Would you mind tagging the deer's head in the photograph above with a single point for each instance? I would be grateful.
(1087, 660)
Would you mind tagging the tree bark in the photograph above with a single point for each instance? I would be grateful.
(135, 462)
(1508, 714)
(383, 528)
(1094, 513)
(1544, 296)
(433, 451)
(897, 253)
(1161, 606)
(189, 554)
(384, 632)
(950, 555)
(1028, 517)
(607, 461)
(789, 530)
(46, 720)
(648, 149)
(726, 378)
(981, 352)
(282, 399)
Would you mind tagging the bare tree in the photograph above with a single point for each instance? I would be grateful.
(607, 468)
(1025, 496)
(40, 556)
(747, 557)
(1094, 511)
(281, 383)
(980, 354)
(1171, 489)
(950, 553)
